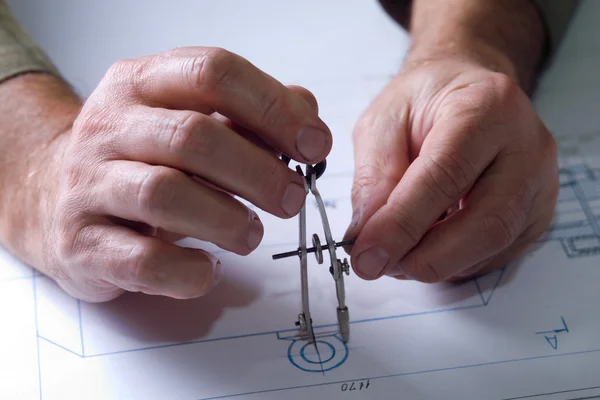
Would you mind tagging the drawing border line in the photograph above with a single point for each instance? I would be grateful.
(484, 303)
(531, 396)
(405, 374)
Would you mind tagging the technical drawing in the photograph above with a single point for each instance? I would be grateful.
(85, 336)
(337, 351)
(577, 221)
(332, 352)
(552, 335)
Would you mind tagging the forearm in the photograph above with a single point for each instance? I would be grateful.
(506, 36)
(36, 110)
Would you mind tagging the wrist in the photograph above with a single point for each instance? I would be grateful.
(27, 203)
(503, 36)
(462, 50)
(34, 131)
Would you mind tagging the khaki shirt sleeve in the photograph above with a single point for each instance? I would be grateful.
(18, 52)
(556, 16)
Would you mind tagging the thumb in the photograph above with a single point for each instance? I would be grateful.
(381, 158)
(306, 96)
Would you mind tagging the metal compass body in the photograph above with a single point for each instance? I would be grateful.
(337, 269)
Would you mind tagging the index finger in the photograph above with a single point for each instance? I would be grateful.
(451, 159)
(212, 79)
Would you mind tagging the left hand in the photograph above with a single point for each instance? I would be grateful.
(449, 136)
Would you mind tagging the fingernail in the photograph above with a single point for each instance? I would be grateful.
(371, 262)
(293, 199)
(217, 273)
(256, 231)
(311, 143)
(354, 221)
(397, 270)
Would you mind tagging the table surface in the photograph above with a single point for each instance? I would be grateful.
(342, 50)
(308, 43)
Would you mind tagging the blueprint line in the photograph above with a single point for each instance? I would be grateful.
(561, 392)
(586, 208)
(260, 333)
(564, 329)
(319, 355)
(480, 292)
(405, 374)
(80, 328)
(567, 225)
(361, 321)
(162, 346)
(60, 346)
(37, 332)
(495, 286)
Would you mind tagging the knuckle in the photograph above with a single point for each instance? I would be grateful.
(136, 266)
(118, 70)
(209, 70)
(361, 182)
(157, 189)
(170, 54)
(422, 270)
(272, 106)
(125, 74)
(91, 123)
(190, 133)
(72, 241)
(450, 174)
(96, 126)
(66, 247)
(78, 176)
(519, 203)
(407, 225)
(141, 268)
(499, 231)
(505, 90)
(57, 272)
(73, 173)
(270, 180)
(205, 142)
(367, 176)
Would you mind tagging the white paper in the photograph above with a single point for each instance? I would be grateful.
(532, 329)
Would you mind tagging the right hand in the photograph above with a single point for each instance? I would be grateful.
(161, 146)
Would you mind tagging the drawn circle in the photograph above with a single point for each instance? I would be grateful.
(316, 361)
(297, 354)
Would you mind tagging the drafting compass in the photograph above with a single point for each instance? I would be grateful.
(337, 269)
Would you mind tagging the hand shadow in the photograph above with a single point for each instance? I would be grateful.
(163, 319)
(455, 291)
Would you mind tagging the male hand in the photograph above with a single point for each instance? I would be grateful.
(449, 135)
(158, 151)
